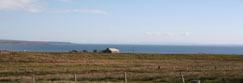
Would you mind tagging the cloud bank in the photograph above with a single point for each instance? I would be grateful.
(168, 34)
(21, 5)
(64, 0)
(34, 6)
(81, 11)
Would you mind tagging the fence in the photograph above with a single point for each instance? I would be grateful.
(125, 78)
(132, 74)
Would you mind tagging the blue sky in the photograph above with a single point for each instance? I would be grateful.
(123, 21)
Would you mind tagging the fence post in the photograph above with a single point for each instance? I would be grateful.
(182, 77)
(75, 77)
(224, 72)
(33, 79)
(125, 77)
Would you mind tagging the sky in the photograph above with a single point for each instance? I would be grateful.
(123, 21)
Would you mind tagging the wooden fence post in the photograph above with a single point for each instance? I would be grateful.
(182, 77)
(125, 77)
(33, 79)
(224, 73)
(75, 77)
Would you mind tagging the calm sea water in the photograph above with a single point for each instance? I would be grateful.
(171, 49)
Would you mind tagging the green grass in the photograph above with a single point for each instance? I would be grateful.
(141, 68)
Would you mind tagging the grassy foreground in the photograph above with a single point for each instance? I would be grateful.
(91, 67)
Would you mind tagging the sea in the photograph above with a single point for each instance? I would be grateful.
(158, 49)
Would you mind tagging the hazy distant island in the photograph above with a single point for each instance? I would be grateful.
(3, 41)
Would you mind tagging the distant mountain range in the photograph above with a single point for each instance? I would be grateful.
(2, 41)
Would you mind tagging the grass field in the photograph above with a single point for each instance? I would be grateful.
(91, 67)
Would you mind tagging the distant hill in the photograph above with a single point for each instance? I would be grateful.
(2, 41)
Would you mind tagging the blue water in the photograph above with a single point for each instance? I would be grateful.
(163, 49)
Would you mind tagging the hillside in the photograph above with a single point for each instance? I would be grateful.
(140, 68)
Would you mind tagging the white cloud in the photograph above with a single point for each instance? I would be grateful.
(81, 11)
(168, 34)
(20, 5)
(187, 34)
(64, 0)
(35, 7)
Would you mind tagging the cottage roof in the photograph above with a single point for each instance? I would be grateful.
(113, 49)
